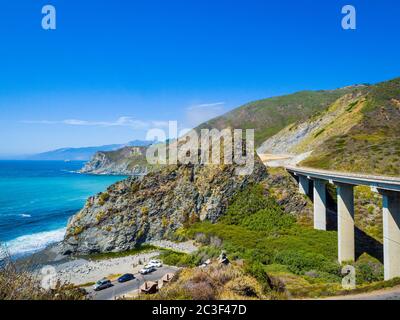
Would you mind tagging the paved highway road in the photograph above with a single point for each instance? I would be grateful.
(119, 289)
(378, 182)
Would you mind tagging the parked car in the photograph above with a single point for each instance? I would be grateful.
(126, 277)
(155, 263)
(102, 284)
(147, 269)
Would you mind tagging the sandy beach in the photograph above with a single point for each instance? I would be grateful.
(80, 271)
(83, 271)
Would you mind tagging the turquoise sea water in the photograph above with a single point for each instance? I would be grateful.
(38, 197)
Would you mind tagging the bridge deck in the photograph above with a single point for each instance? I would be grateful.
(378, 182)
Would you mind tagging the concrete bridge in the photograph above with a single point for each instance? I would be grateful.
(388, 187)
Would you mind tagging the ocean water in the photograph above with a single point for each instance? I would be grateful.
(38, 197)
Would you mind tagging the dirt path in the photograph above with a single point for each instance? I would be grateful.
(281, 160)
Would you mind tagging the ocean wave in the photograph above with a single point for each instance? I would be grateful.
(71, 171)
(25, 215)
(32, 243)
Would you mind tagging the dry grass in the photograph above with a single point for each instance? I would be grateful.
(18, 283)
(215, 282)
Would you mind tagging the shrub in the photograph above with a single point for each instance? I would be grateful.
(299, 262)
(200, 290)
(103, 198)
(244, 204)
(245, 286)
(269, 220)
(77, 230)
(144, 211)
(164, 222)
(319, 132)
(178, 259)
(100, 216)
(368, 270)
(257, 270)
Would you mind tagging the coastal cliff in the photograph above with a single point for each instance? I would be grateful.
(141, 209)
(125, 161)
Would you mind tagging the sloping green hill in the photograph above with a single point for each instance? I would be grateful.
(350, 129)
(373, 144)
(269, 116)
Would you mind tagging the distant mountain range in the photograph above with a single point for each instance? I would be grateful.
(85, 153)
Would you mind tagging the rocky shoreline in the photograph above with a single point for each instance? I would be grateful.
(84, 270)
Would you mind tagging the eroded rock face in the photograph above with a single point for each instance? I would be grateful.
(283, 187)
(125, 161)
(149, 208)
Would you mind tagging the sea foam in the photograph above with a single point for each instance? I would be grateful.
(32, 243)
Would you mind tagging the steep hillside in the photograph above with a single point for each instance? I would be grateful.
(372, 145)
(358, 132)
(304, 136)
(269, 116)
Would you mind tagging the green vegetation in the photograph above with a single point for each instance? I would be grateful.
(181, 259)
(254, 211)
(110, 255)
(87, 284)
(144, 211)
(351, 106)
(174, 258)
(276, 250)
(319, 132)
(368, 270)
(103, 198)
(77, 230)
(269, 116)
(257, 230)
(372, 145)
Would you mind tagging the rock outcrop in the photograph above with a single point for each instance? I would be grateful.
(125, 161)
(141, 209)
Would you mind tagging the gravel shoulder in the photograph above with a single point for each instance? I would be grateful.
(384, 294)
(185, 247)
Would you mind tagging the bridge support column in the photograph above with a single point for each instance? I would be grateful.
(346, 240)
(319, 204)
(391, 234)
(304, 184)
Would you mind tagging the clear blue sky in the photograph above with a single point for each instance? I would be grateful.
(187, 60)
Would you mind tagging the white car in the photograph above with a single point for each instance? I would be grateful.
(147, 269)
(154, 263)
